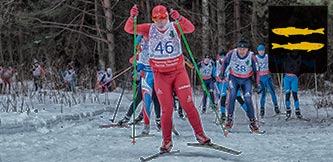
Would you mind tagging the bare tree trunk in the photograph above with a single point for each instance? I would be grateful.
(205, 26)
(10, 46)
(1, 49)
(148, 6)
(254, 28)
(237, 20)
(98, 34)
(221, 25)
(110, 36)
(213, 27)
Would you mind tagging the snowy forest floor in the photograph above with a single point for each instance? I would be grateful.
(83, 141)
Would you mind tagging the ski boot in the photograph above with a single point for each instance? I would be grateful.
(123, 121)
(253, 126)
(203, 110)
(276, 109)
(229, 123)
(288, 113)
(166, 146)
(223, 118)
(262, 112)
(138, 119)
(146, 130)
(298, 113)
(202, 139)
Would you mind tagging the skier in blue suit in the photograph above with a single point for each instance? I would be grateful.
(265, 80)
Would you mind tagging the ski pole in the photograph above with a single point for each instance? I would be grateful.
(134, 79)
(119, 101)
(225, 132)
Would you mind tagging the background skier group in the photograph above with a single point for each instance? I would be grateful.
(163, 73)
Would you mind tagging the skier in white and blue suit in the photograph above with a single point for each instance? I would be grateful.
(243, 65)
(147, 85)
(207, 71)
(223, 86)
(265, 80)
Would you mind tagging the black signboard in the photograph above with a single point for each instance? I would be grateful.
(297, 39)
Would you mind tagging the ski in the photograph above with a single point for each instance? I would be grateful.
(288, 118)
(303, 119)
(276, 115)
(159, 154)
(250, 132)
(142, 135)
(137, 123)
(258, 132)
(215, 147)
(114, 125)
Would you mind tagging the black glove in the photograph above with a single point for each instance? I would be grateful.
(221, 76)
(257, 89)
(213, 79)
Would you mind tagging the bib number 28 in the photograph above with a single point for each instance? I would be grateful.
(168, 47)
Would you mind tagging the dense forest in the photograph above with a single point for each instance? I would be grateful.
(90, 33)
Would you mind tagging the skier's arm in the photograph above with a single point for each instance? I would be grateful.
(140, 28)
(186, 26)
(214, 71)
(225, 64)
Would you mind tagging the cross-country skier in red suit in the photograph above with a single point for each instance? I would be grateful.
(168, 66)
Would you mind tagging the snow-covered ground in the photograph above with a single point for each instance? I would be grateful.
(83, 141)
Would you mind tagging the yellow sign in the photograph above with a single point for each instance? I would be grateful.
(299, 46)
(296, 31)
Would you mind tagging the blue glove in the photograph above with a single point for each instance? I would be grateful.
(140, 67)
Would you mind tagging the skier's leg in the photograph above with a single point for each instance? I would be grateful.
(294, 89)
(137, 101)
(241, 101)
(211, 92)
(263, 95)
(164, 90)
(234, 86)
(183, 90)
(223, 97)
(146, 94)
(270, 87)
(287, 87)
(247, 93)
(157, 107)
(204, 99)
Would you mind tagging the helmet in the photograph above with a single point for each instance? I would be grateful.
(223, 52)
(243, 44)
(206, 55)
(261, 47)
(35, 61)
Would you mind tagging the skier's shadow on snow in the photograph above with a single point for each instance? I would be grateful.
(221, 156)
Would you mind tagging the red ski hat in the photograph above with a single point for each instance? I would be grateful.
(159, 12)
